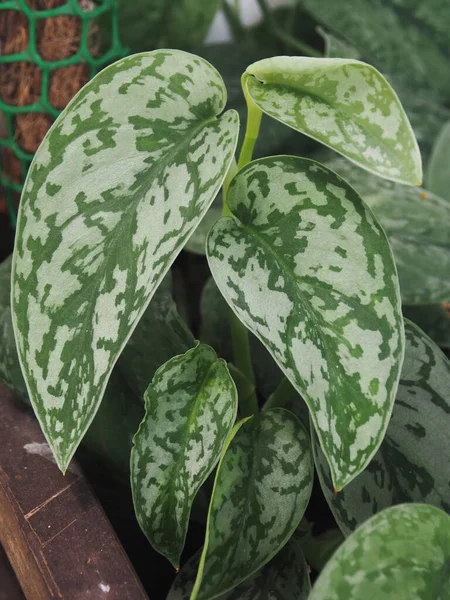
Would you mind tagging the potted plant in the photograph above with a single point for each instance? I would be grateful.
(321, 371)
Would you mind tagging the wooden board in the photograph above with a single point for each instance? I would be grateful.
(53, 529)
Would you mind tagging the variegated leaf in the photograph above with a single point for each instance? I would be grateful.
(343, 103)
(417, 224)
(413, 462)
(403, 554)
(438, 173)
(308, 269)
(116, 188)
(191, 406)
(285, 577)
(159, 335)
(10, 371)
(260, 494)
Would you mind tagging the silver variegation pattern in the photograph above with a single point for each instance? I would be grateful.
(306, 266)
(116, 188)
(413, 462)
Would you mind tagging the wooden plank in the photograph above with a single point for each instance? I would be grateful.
(9, 586)
(52, 527)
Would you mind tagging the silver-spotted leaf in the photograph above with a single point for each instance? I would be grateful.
(401, 553)
(191, 406)
(343, 103)
(116, 188)
(413, 462)
(260, 494)
(417, 224)
(285, 577)
(308, 269)
(438, 172)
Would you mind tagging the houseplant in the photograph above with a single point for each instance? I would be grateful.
(253, 257)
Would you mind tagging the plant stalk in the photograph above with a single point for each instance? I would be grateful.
(248, 405)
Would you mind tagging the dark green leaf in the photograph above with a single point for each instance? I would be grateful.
(191, 406)
(262, 488)
(403, 554)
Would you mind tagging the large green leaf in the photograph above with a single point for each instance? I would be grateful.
(438, 174)
(308, 269)
(109, 437)
(261, 491)
(343, 103)
(405, 38)
(116, 188)
(191, 407)
(402, 553)
(417, 224)
(285, 577)
(412, 464)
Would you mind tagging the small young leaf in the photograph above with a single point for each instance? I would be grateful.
(438, 179)
(191, 406)
(417, 224)
(116, 188)
(402, 553)
(308, 269)
(412, 464)
(343, 103)
(285, 577)
(261, 491)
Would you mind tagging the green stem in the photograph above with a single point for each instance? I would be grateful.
(248, 403)
(254, 116)
(284, 393)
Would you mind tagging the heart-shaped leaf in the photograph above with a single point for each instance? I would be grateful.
(402, 553)
(412, 464)
(261, 491)
(417, 224)
(342, 103)
(438, 175)
(191, 406)
(285, 577)
(116, 188)
(308, 269)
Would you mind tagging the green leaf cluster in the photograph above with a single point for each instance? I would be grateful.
(305, 360)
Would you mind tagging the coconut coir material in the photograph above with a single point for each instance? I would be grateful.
(57, 38)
